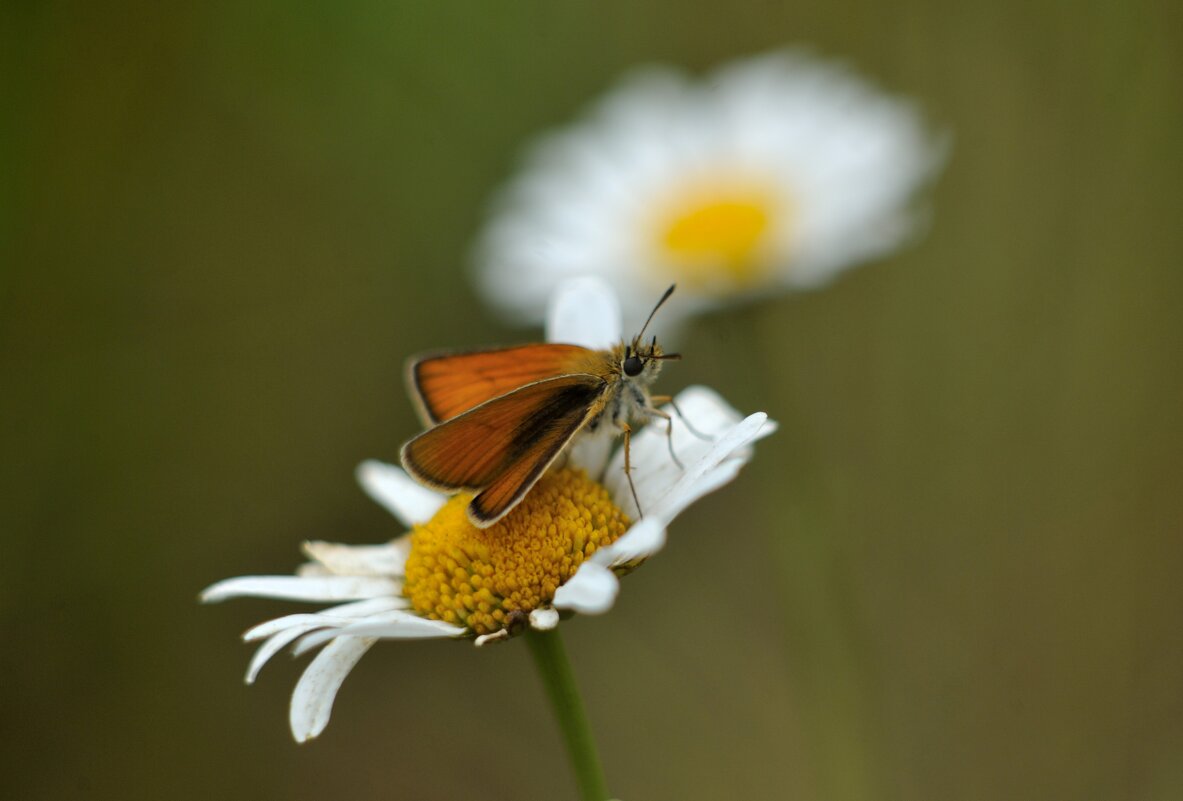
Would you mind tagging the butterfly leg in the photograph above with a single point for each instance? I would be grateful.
(696, 432)
(671, 401)
(669, 433)
(628, 468)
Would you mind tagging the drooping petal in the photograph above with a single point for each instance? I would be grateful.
(273, 645)
(312, 700)
(405, 498)
(591, 591)
(301, 588)
(584, 311)
(307, 621)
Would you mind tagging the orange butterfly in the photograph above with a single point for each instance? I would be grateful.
(502, 416)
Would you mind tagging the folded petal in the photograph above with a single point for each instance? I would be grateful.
(273, 645)
(312, 700)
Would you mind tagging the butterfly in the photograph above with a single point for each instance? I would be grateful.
(501, 417)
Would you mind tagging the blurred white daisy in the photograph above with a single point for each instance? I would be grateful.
(771, 172)
(561, 550)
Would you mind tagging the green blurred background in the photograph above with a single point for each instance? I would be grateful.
(954, 573)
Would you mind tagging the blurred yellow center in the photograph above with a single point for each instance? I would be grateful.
(717, 239)
(479, 578)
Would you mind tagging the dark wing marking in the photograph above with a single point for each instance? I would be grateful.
(501, 447)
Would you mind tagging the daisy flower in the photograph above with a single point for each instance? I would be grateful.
(773, 172)
(560, 551)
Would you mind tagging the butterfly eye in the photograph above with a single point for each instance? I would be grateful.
(633, 366)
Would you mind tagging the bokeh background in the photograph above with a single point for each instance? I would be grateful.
(954, 573)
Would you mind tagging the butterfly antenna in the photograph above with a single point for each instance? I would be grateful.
(649, 319)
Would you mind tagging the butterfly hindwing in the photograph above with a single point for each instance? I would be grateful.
(501, 447)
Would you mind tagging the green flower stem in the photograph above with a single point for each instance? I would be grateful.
(555, 671)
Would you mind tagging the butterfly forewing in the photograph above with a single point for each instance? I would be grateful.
(502, 446)
(450, 384)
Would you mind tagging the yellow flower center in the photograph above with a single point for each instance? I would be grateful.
(716, 238)
(485, 579)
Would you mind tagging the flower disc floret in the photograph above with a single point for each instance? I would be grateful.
(479, 578)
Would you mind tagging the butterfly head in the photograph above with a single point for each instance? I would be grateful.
(642, 360)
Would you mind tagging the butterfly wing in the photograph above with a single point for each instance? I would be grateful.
(500, 448)
(449, 384)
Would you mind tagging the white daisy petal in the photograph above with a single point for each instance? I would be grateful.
(307, 622)
(701, 408)
(684, 493)
(591, 591)
(312, 701)
(314, 639)
(706, 410)
(584, 311)
(393, 626)
(713, 470)
(390, 486)
(399, 625)
(300, 588)
(273, 645)
(333, 616)
(403, 630)
(361, 560)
